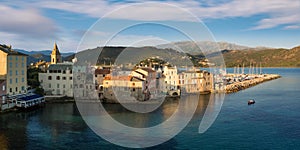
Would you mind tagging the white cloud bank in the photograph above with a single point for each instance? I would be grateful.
(23, 22)
(277, 12)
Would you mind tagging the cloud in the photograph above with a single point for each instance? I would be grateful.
(204, 9)
(28, 23)
(277, 12)
(292, 27)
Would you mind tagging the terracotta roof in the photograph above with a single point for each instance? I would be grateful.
(148, 69)
(136, 79)
(102, 71)
(125, 78)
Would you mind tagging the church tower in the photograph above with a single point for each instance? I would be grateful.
(55, 55)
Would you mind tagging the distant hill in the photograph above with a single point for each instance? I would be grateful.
(208, 46)
(35, 56)
(234, 55)
(267, 57)
(131, 55)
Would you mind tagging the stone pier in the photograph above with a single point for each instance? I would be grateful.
(237, 86)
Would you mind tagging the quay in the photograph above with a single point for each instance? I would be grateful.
(248, 82)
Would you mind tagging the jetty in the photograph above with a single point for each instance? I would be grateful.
(242, 82)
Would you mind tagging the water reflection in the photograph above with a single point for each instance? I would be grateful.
(60, 125)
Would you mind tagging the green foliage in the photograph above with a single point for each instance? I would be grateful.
(33, 77)
(39, 90)
(267, 58)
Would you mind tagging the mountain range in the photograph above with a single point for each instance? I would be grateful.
(35, 56)
(196, 48)
(233, 54)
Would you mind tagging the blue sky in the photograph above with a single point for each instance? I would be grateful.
(36, 25)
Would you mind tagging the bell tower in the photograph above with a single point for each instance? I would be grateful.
(55, 55)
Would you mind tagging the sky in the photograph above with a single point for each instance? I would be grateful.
(75, 25)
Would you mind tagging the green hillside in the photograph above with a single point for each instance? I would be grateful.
(267, 57)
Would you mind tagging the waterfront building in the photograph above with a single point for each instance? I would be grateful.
(171, 80)
(127, 87)
(13, 70)
(58, 79)
(196, 81)
(148, 75)
(100, 74)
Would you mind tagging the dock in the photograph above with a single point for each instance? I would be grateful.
(254, 80)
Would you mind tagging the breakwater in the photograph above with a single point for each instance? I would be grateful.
(237, 86)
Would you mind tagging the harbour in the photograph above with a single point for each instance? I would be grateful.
(271, 123)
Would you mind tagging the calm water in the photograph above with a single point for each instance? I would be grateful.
(272, 123)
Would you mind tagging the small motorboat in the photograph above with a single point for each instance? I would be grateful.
(251, 101)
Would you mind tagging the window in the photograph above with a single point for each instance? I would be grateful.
(71, 78)
(22, 72)
(16, 72)
(49, 77)
(71, 86)
(49, 85)
(16, 80)
(23, 88)
(64, 78)
(64, 86)
(64, 72)
(23, 64)
(23, 80)
(57, 85)
(16, 57)
(10, 89)
(57, 77)
(10, 64)
(71, 71)
(22, 58)
(10, 58)
(10, 73)
(59, 71)
(10, 81)
(16, 64)
(133, 89)
(16, 89)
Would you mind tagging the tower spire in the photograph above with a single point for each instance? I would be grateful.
(55, 55)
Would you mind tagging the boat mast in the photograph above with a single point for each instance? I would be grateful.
(249, 69)
(243, 69)
(260, 68)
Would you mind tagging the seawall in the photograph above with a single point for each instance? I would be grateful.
(237, 86)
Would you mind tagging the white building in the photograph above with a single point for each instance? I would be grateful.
(171, 80)
(58, 80)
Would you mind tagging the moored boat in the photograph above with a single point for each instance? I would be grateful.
(29, 101)
(251, 101)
